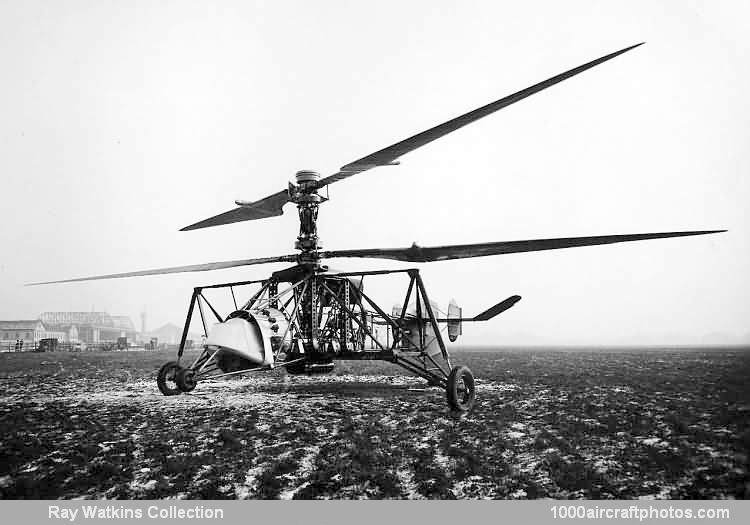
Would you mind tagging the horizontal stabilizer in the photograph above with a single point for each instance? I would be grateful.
(498, 308)
(487, 314)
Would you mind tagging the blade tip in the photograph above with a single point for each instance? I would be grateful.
(629, 48)
(43, 283)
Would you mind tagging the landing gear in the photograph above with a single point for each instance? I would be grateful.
(321, 318)
(186, 380)
(461, 390)
(173, 379)
(167, 378)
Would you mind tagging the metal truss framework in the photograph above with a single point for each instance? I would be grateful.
(330, 317)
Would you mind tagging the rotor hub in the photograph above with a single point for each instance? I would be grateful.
(307, 176)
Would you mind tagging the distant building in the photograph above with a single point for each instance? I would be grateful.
(169, 334)
(72, 332)
(30, 332)
(91, 327)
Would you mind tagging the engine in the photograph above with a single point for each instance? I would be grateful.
(249, 338)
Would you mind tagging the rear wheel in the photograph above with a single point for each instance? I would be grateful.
(461, 389)
(166, 379)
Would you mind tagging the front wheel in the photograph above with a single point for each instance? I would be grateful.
(186, 380)
(461, 390)
(166, 379)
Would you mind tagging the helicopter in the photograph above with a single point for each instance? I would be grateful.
(306, 317)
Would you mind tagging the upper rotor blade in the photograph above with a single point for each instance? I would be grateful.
(271, 206)
(391, 153)
(180, 269)
(462, 251)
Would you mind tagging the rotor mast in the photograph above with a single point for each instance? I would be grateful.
(305, 196)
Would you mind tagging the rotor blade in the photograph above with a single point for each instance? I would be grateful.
(388, 155)
(271, 206)
(462, 251)
(180, 269)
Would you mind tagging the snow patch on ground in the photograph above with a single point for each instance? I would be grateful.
(408, 485)
(305, 468)
(536, 436)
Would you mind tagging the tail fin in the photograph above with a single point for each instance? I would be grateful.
(454, 321)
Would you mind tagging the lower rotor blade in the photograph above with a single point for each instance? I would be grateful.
(462, 251)
(271, 206)
(180, 269)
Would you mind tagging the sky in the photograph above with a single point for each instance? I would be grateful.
(125, 121)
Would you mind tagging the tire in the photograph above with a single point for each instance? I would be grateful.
(186, 380)
(461, 389)
(166, 379)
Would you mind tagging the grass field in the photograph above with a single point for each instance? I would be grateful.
(560, 424)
